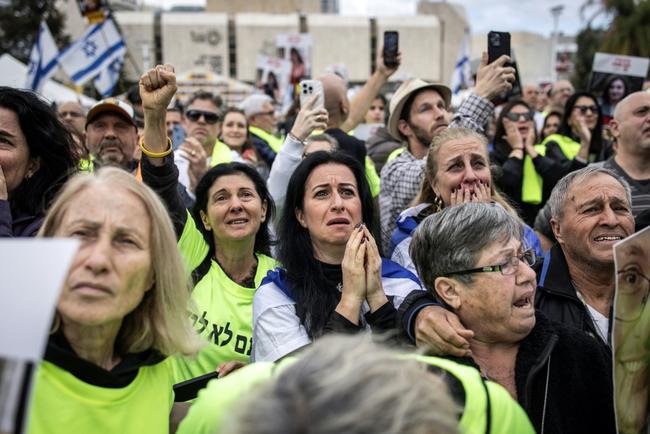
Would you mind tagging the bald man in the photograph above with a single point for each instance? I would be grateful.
(338, 109)
(73, 115)
(631, 129)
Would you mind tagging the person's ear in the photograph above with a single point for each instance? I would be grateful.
(615, 128)
(557, 230)
(404, 128)
(265, 205)
(32, 167)
(448, 290)
(205, 221)
(300, 216)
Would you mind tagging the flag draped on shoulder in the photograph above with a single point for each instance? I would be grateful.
(462, 75)
(94, 53)
(42, 59)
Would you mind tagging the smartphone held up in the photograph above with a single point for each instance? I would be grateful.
(391, 48)
(308, 88)
(499, 45)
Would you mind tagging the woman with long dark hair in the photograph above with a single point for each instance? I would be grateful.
(615, 90)
(37, 156)
(235, 135)
(333, 277)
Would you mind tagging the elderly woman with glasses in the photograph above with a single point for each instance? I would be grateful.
(472, 259)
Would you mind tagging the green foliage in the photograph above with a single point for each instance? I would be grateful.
(629, 32)
(19, 22)
(588, 40)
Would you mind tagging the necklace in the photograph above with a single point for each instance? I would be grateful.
(248, 281)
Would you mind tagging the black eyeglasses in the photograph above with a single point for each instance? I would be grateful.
(210, 117)
(507, 268)
(583, 108)
(631, 283)
(514, 117)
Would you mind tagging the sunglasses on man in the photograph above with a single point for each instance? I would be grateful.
(210, 117)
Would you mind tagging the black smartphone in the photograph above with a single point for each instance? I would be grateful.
(498, 45)
(189, 389)
(391, 47)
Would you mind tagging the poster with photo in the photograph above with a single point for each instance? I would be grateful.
(296, 48)
(631, 330)
(606, 67)
(273, 76)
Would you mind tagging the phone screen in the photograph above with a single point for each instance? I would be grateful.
(391, 47)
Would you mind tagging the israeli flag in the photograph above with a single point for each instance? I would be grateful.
(462, 75)
(42, 60)
(93, 52)
(107, 78)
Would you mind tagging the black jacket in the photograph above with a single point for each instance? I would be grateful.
(263, 149)
(563, 380)
(557, 297)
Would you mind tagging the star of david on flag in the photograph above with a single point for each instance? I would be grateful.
(93, 53)
(107, 79)
(42, 59)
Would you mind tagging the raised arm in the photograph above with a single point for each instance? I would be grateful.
(157, 87)
(361, 102)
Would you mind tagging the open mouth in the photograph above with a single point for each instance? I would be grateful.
(237, 222)
(608, 238)
(525, 301)
(338, 221)
(634, 365)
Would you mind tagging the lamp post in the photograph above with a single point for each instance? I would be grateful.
(556, 11)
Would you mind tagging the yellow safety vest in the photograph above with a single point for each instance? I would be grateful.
(221, 153)
(274, 142)
(395, 153)
(532, 183)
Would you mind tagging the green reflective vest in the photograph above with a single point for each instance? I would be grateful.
(274, 142)
(395, 153)
(532, 183)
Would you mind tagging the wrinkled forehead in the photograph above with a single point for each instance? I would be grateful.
(599, 187)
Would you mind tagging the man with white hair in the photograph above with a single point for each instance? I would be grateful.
(260, 113)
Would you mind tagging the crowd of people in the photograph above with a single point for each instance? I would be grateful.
(210, 243)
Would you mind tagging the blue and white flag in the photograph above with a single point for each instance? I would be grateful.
(92, 53)
(462, 75)
(107, 78)
(42, 59)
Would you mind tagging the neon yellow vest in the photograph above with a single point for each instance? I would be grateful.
(221, 310)
(395, 153)
(221, 153)
(63, 404)
(532, 183)
(506, 414)
(274, 142)
(372, 177)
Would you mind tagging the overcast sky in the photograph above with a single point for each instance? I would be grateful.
(484, 15)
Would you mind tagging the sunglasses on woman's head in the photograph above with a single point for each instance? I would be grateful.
(210, 117)
(583, 108)
(514, 117)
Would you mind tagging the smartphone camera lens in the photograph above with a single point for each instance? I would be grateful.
(495, 39)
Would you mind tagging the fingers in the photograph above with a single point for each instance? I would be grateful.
(454, 196)
(502, 61)
(484, 59)
(228, 367)
(441, 330)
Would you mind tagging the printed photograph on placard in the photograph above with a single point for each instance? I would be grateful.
(632, 332)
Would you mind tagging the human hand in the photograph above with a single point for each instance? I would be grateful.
(309, 119)
(157, 88)
(353, 291)
(482, 193)
(195, 154)
(384, 70)
(494, 78)
(441, 332)
(513, 136)
(581, 129)
(4, 194)
(374, 289)
(226, 368)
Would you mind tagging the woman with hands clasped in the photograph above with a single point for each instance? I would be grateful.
(225, 240)
(334, 279)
